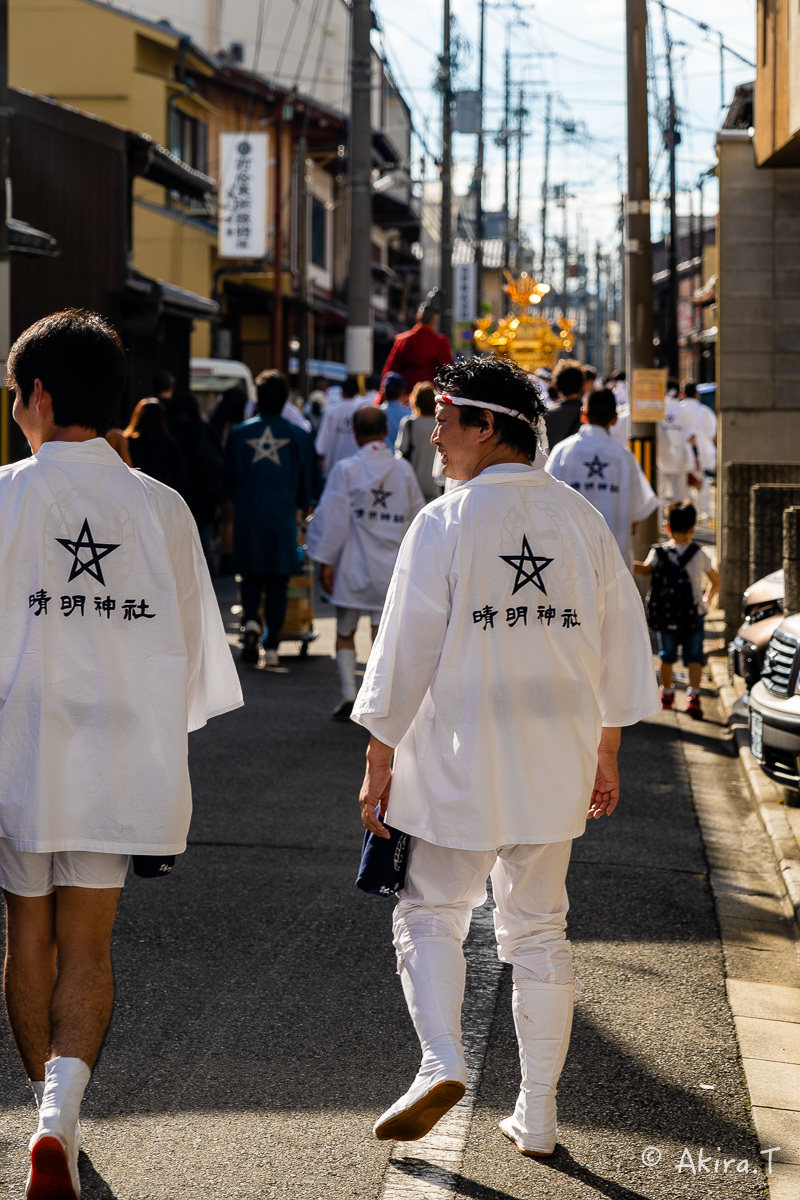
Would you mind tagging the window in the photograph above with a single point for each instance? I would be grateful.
(319, 234)
(188, 138)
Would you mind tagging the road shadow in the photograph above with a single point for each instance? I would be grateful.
(93, 1186)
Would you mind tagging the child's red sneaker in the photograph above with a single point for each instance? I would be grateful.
(667, 699)
(693, 706)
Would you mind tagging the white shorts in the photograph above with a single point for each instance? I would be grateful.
(347, 619)
(26, 874)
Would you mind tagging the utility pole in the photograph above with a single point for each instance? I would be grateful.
(671, 139)
(5, 270)
(638, 247)
(479, 162)
(446, 220)
(358, 334)
(302, 265)
(545, 185)
(599, 322)
(506, 154)
(521, 115)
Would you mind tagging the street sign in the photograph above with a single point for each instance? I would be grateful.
(648, 393)
(467, 112)
(243, 195)
(464, 293)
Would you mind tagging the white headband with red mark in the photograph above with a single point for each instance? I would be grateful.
(460, 401)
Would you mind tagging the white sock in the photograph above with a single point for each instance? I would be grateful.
(37, 1087)
(64, 1085)
(346, 662)
(664, 689)
(692, 691)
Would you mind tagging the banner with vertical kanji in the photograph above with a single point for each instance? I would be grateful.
(243, 195)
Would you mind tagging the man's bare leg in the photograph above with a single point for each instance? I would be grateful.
(29, 977)
(80, 1012)
(84, 993)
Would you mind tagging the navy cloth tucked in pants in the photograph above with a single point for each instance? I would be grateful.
(274, 589)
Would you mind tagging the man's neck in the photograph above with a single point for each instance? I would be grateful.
(61, 433)
(498, 458)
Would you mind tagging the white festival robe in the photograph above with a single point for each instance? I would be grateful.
(609, 477)
(335, 437)
(512, 632)
(112, 648)
(366, 509)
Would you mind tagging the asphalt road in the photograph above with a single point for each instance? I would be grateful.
(260, 1029)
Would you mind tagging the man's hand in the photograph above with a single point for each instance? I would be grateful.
(376, 786)
(605, 793)
(326, 578)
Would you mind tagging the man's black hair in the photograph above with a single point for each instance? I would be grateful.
(496, 381)
(393, 389)
(589, 373)
(568, 377)
(272, 392)
(681, 516)
(164, 381)
(80, 360)
(673, 384)
(600, 406)
(369, 422)
(690, 390)
(349, 388)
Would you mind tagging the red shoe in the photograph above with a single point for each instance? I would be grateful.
(51, 1177)
(693, 707)
(666, 700)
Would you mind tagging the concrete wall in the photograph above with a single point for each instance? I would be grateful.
(759, 306)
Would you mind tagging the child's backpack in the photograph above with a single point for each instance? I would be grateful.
(670, 601)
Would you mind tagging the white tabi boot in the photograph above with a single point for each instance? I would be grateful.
(433, 975)
(54, 1146)
(543, 1021)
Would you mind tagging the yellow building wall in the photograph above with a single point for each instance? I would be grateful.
(104, 63)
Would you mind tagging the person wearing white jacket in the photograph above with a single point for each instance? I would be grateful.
(112, 649)
(511, 650)
(369, 501)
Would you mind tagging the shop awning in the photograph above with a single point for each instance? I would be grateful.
(172, 300)
(24, 239)
(153, 162)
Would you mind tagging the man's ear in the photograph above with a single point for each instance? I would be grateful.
(584, 417)
(488, 430)
(41, 399)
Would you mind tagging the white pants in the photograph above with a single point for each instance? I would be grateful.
(443, 886)
(674, 484)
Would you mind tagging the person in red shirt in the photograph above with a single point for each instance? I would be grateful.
(418, 353)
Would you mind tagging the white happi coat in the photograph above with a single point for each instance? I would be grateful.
(609, 477)
(512, 632)
(365, 511)
(111, 649)
(702, 423)
(335, 439)
(672, 435)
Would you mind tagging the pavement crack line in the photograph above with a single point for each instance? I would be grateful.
(428, 1168)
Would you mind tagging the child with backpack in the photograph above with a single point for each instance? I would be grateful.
(676, 602)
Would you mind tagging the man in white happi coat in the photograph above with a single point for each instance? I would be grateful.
(604, 472)
(335, 438)
(702, 422)
(111, 649)
(511, 650)
(368, 504)
(672, 450)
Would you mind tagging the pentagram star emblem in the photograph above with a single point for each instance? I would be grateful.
(97, 551)
(267, 446)
(379, 496)
(521, 561)
(595, 467)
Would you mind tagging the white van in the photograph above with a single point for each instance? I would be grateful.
(210, 377)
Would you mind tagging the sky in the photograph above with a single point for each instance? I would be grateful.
(575, 50)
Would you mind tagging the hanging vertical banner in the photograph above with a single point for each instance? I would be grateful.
(243, 195)
(464, 293)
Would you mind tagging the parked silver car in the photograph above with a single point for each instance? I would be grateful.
(774, 710)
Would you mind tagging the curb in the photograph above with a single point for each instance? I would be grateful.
(767, 797)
